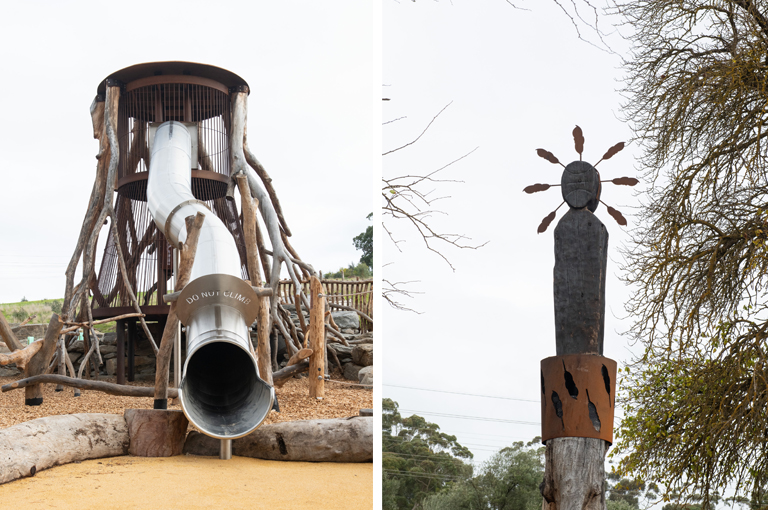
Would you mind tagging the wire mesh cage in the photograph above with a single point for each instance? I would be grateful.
(146, 101)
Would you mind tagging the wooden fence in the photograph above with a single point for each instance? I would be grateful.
(357, 294)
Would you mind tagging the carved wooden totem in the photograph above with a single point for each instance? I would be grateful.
(578, 385)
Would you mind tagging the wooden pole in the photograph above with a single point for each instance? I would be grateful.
(38, 364)
(263, 351)
(187, 252)
(317, 339)
(574, 474)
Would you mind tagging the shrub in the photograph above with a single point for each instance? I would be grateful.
(20, 314)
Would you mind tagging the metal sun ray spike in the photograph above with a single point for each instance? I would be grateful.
(580, 183)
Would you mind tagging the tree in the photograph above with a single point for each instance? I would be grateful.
(364, 242)
(417, 459)
(509, 480)
(695, 400)
(360, 270)
(626, 493)
(409, 200)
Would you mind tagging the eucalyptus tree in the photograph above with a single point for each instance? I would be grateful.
(696, 95)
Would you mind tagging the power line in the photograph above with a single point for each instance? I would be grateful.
(416, 455)
(460, 393)
(465, 417)
(429, 445)
(433, 476)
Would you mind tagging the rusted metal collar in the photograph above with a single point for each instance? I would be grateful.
(577, 396)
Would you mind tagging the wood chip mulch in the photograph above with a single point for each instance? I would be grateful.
(341, 400)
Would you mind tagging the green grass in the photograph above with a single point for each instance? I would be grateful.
(18, 312)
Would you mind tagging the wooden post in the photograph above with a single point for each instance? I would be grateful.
(131, 349)
(33, 395)
(120, 371)
(62, 368)
(86, 360)
(187, 252)
(263, 350)
(317, 339)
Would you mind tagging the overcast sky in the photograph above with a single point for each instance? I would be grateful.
(311, 68)
(517, 80)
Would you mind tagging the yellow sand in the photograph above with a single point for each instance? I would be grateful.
(189, 482)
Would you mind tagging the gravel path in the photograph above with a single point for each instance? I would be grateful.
(340, 400)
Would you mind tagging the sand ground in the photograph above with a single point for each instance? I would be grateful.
(190, 482)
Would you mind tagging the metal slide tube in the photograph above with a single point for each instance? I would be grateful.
(221, 392)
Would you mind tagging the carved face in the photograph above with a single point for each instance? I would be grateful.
(580, 185)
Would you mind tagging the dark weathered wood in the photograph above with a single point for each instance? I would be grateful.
(39, 444)
(102, 386)
(61, 352)
(120, 340)
(334, 356)
(334, 440)
(187, 252)
(38, 364)
(286, 373)
(7, 335)
(575, 466)
(581, 251)
(131, 330)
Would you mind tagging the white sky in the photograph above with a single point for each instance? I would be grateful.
(311, 68)
(519, 80)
